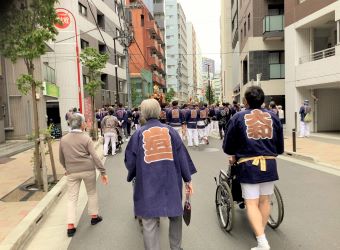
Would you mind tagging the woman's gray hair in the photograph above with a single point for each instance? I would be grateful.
(76, 121)
(150, 109)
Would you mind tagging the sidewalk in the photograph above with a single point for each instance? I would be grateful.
(321, 149)
(13, 173)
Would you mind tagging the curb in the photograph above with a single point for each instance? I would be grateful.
(302, 157)
(29, 225)
(21, 234)
(18, 151)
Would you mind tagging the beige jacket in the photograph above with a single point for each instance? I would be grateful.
(77, 153)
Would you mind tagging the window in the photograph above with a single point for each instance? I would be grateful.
(245, 29)
(142, 20)
(102, 48)
(277, 65)
(249, 21)
(117, 32)
(101, 21)
(82, 9)
(86, 79)
(84, 44)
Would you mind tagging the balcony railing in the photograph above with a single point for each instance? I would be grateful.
(318, 55)
(273, 23)
(277, 71)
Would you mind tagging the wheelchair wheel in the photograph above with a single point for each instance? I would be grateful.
(277, 209)
(224, 207)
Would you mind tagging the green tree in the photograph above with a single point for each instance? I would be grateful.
(210, 95)
(169, 95)
(94, 62)
(24, 31)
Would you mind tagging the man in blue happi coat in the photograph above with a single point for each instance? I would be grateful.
(254, 137)
(158, 160)
(175, 118)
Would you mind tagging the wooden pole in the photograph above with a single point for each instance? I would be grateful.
(50, 150)
(43, 163)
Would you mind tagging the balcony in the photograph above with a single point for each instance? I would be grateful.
(319, 68)
(151, 43)
(318, 55)
(273, 27)
(155, 78)
(277, 71)
(160, 51)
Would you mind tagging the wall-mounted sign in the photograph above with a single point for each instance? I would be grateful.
(51, 89)
(64, 18)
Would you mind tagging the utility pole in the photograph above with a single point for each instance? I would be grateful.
(126, 50)
(116, 69)
(209, 88)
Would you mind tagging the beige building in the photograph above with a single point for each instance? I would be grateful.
(227, 50)
(312, 57)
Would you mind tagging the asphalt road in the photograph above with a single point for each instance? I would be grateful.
(311, 198)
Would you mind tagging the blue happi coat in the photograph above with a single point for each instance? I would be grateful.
(175, 117)
(159, 161)
(191, 118)
(248, 135)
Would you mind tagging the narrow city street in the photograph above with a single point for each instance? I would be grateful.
(311, 211)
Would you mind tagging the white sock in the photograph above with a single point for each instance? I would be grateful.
(262, 241)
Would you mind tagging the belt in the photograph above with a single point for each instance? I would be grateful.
(259, 161)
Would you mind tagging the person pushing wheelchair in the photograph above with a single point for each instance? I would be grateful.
(254, 137)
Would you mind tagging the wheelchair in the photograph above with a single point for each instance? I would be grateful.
(229, 193)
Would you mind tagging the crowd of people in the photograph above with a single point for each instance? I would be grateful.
(158, 162)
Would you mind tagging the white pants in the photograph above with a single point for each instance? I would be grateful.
(304, 129)
(215, 126)
(254, 191)
(192, 137)
(207, 130)
(179, 131)
(110, 136)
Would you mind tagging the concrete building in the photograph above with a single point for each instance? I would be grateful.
(227, 50)
(208, 62)
(199, 76)
(146, 65)
(159, 14)
(87, 15)
(217, 87)
(261, 37)
(176, 49)
(312, 30)
(150, 5)
(16, 113)
(192, 61)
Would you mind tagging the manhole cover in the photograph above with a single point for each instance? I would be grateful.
(209, 150)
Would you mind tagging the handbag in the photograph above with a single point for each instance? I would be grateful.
(187, 210)
(308, 118)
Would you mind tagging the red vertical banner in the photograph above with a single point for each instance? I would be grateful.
(88, 112)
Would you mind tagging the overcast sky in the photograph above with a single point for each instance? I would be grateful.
(205, 16)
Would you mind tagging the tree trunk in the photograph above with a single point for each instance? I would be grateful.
(37, 162)
(93, 132)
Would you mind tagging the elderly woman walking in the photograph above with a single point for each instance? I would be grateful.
(78, 156)
(158, 159)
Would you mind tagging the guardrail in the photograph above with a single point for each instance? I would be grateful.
(318, 55)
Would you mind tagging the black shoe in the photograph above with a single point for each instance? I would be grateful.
(96, 220)
(71, 232)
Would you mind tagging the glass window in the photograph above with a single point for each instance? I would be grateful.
(84, 44)
(82, 9)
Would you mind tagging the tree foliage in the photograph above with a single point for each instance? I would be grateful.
(94, 62)
(170, 95)
(210, 94)
(25, 27)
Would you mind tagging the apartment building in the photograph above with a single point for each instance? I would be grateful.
(312, 30)
(176, 49)
(146, 63)
(227, 50)
(192, 61)
(199, 76)
(83, 17)
(150, 5)
(216, 85)
(261, 53)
